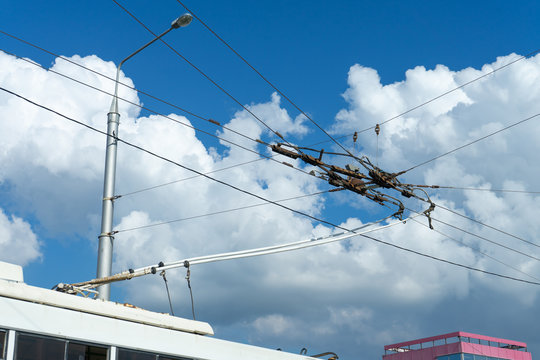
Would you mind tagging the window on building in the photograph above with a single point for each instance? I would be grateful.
(2, 344)
(464, 356)
(30, 347)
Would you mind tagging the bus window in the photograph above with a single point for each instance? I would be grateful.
(124, 354)
(77, 351)
(2, 344)
(31, 347)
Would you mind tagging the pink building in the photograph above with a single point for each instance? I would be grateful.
(458, 346)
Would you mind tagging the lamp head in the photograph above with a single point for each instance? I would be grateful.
(182, 21)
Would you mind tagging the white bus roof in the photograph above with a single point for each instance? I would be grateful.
(11, 286)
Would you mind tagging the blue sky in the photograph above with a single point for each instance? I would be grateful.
(349, 65)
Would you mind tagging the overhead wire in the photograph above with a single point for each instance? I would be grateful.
(151, 153)
(373, 127)
(202, 73)
(475, 189)
(234, 131)
(145, 108)
(274, 249)
(452, 90)
(185, 179)
(479, 236)
(220, 212)
(454, 263)
(532, 53)
(271, 158)
(189, 112)
(488, 226)
(478, 251)
(255, 195)
(291, 246)
(234, 255)
(386, 121)
(262, 76)
(472, 142)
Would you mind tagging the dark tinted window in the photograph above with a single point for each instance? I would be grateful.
(77, 351)
(2, 344)
(124, 354)
(37, 348)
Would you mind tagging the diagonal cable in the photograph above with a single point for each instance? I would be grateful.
(203, 73)
(478, 251)
(488, 226)
(257, 196)
(219, 212)
(263, 77)
(472, 142)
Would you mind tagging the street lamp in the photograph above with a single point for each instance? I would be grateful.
(104, 265)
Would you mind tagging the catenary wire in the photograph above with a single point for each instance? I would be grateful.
(472, 142)
(439, 96)
(202, 73)
(187, 178)
(223, 126)
(142, 107)
(479, 236)
(263, 77)
(452, 262)
(486, 225)
(291, 246)
(257, 196)
(165, 116)
(477, 250)
(233, 255)
(129, 102)
(151, 153)
(138, 105)
(452, 90)
(308, 117)
(277, 249)
(220, 212)
(475, 189)
(189, 112)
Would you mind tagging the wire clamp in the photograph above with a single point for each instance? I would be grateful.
(428, 213)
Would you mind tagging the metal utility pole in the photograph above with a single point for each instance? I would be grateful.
(105, 251)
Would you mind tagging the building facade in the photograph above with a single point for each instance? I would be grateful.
(458, 346)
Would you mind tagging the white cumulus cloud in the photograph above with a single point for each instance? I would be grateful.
(18, 243)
